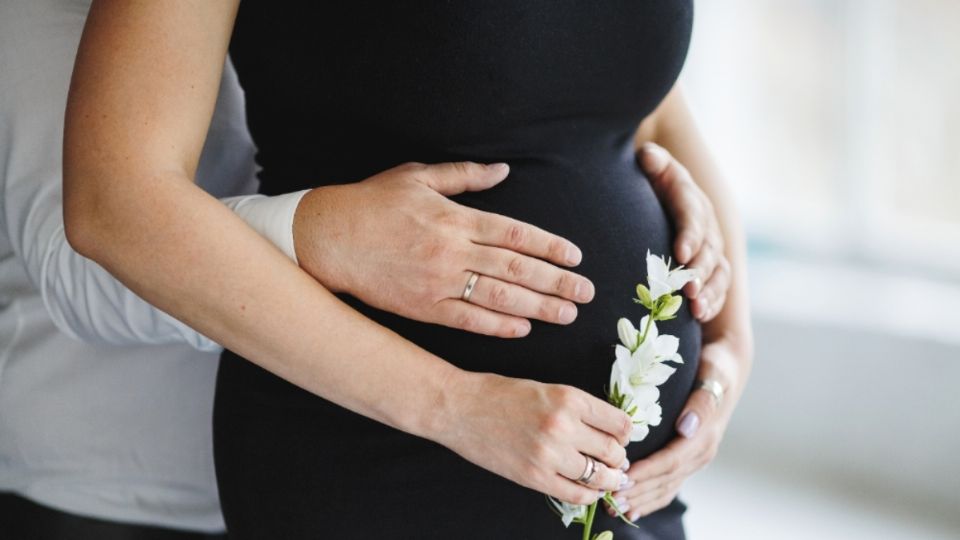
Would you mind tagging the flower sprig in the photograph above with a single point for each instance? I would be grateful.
(638, 370)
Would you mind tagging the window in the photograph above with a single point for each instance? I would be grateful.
(838, 124)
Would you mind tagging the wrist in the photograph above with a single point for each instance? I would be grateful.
(313, 227)
(445, 411)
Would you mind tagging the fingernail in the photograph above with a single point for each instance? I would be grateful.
(500, 167)
(567, 314)
(683, 254)
(522, 329)
(583, 291)
(689, 424)
(625, 465)
(621, 502)
(623, 508)
(624, 480)
(574, 255)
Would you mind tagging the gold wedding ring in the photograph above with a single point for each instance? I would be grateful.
(714, 388)
(468, 290)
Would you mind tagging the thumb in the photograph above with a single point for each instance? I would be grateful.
(455, 177)
(699, 409)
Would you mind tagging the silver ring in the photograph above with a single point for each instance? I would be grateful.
(468, 290)
(588, 471)
(714, 388)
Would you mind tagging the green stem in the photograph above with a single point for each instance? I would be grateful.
(588, 525)
(646, 329)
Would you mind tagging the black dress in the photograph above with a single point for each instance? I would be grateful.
(337, 92)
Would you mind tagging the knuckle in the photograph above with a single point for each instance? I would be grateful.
(552, 424)
(556, 249)
(499, 296)
(462, 167)
(516, 267)
(561, 283)
(436, 251)
(546, 311)
(466, 320)
(515, 235)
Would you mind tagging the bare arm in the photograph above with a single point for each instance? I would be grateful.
(140, 101)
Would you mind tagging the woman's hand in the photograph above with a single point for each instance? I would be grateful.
(537, 434)
(397, 243)
(699, 243)
(658, 478)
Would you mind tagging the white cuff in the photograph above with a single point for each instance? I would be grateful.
(272, 217)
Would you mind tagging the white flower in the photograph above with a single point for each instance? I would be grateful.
(569, 512)
(636, 376)
(662, 280)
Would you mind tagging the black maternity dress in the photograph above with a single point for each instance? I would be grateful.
(339, 91)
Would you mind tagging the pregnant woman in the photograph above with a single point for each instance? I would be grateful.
(336, 95)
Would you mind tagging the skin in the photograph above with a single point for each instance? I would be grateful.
(138, 111)
(727, 353)
(398, 243)
(140, 103)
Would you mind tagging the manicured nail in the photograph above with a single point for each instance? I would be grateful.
(574, 255)
(689, 424)
(624, 480)
(567, 314)
(625, 465)
(500, 167)
(621, 502)
(623, 508)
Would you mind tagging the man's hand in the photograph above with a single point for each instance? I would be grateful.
(396, 242)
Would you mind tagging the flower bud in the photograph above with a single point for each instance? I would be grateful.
(669, 308)
(628, 334)
(643, 295)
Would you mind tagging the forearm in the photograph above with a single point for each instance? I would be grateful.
(673, 127)
(192, 257)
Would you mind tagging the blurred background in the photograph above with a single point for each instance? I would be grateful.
(838, 124)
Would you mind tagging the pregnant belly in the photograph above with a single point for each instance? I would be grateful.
(602, 202)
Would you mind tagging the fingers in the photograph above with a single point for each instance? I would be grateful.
(531, 273)
(682, 197)
(604, 448)
(647, 502)
(603, 478)
(452, 178)
(456, 313)
(713, 294)
(564, 489)
(501, 231)
(607, 419)
(700, 409)
(503, 297)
